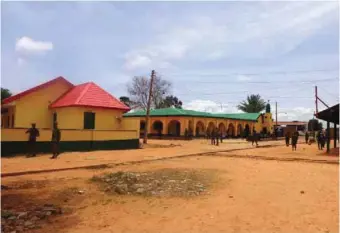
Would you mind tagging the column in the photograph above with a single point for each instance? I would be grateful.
(334, 135)
(328, 137)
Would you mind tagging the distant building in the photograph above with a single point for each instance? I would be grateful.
(291, 126)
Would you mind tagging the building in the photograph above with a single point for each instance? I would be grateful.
(89, 118)
(174, 122)
(290, 127)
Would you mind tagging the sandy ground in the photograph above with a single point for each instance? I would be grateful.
(246, 195)
(155, 149)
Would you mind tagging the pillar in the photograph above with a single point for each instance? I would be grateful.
(328, 137)
(334, 135)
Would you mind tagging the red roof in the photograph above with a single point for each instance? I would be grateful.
(34, 89)
(89, 95)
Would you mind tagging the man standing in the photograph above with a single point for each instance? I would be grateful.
(55, 141)
(32, 140)
(319, 138)
(287, 137)
(217, 136)
(254, 137)
(306, 137)
(295, 140)
(213, 136)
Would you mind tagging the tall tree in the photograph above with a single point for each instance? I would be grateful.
(5, 93)
(171, 101)
(138, 90)
(126, 100)
(253, 104)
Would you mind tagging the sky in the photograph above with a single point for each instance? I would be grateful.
(214, 53)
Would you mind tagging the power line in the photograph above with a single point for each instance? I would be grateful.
(255, 74)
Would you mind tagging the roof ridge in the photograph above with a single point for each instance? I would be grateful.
(87, 86)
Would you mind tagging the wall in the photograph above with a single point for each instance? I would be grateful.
(13, 141)
(34, 107)
(105, 119)
(185, 122)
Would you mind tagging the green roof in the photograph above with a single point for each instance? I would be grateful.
(185, 112)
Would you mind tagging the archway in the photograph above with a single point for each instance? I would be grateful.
(231, 130)
(246, 131)
(239, 130)
(174, 128)
(222, 129)
(211, 127)
(200, 129)
(157, 128)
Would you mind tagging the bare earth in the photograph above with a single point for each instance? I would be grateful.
(246, 195)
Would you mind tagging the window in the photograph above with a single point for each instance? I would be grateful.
(89, 120)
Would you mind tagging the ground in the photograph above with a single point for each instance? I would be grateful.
(265, 189)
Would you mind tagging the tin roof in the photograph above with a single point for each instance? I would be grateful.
(191, 113)
(89, 95)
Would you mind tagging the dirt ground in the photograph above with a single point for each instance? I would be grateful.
(245, 195)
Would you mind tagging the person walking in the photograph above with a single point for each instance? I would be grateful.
(218, 136)
(295, 140)
(55, 141)
(213, 136)
(322, 140)
(287, 138)
(319, 138)
(306, 137)
(254, 137)
(33, 133)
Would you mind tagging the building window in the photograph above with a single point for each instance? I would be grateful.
(89, 120)
(262, 118)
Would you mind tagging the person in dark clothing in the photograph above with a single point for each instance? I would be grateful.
(213, 137)
(217, 136)
(322, 140)
(318, 137)
(55, 141)
(254, 138)
(295, 137)
(33, 133)
(287, 137)
(306, 137)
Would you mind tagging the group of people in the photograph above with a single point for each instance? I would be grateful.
(294, 136)
(321, 139)
(215, 136)
(34, 133)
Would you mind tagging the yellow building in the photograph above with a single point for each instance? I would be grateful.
(89, 118)
(174, 122)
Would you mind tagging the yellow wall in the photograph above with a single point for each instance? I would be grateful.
(268, 123)
(105, 119)
(185, 122)
(33, 108)
(70, 135)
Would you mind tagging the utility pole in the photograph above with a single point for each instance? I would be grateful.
(145, 140)
(276, 114)
(316, 100)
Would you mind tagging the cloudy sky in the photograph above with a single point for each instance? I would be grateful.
(213, 53)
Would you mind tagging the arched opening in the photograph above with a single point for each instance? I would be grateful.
(231, 130)
(157, 128)
(239, 130)
(246, 131)
(199, 129)
(191, 129)
(222, 129)
(174, 128)
(211, 127)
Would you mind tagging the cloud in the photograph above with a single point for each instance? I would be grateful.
(243, 78)
(21, 61)
(135, 61)
(210, 106)
(295, 114)
(27, 45)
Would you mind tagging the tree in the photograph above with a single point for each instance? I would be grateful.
(126, 100)
(170, 101)
(5, 93)
(138, 90)
(253, 104)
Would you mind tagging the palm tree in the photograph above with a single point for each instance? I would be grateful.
(253, 104)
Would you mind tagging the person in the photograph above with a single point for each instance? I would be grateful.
(287, 137)
(254, 139)
(306, 137)
(221, 138)
(322, 140)
(217, 136)
(32, 140)
(55, 141)
(295, 137)
(318, 137)
(213, 136)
